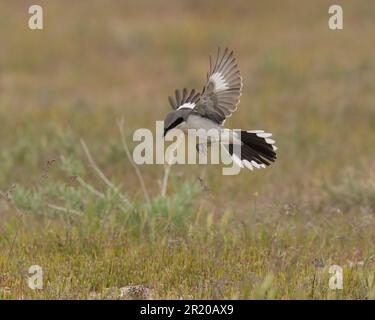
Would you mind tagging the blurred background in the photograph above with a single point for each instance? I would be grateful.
(96, 62)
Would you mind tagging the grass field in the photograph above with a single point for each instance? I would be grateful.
(266, 234)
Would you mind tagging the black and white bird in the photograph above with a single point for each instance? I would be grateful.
(210, 108)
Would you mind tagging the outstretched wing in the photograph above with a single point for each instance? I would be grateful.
(185, 99)
(221, 95)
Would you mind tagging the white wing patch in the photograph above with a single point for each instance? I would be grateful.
(220, 84)
(187, 105)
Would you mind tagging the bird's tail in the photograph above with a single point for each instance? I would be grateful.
(256, 149)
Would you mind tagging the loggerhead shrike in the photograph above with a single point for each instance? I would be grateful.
(209, 109)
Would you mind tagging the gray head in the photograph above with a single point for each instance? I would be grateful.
(174, 118)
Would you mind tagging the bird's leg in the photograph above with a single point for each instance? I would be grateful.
(202, 147)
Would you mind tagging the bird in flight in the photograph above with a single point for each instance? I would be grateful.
(209, 109)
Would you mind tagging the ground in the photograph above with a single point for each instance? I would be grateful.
(265, 234)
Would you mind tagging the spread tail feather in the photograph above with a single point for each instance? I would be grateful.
(256, 150)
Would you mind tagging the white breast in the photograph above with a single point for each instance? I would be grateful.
(198, 122)
(205, 128)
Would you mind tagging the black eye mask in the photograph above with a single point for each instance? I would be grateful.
(174, 124)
